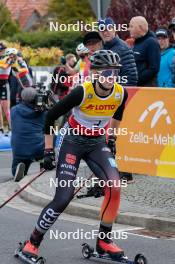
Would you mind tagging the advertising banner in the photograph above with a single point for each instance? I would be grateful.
(148, 147)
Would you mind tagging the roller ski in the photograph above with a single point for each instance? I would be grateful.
(108, 250)
(28, 253)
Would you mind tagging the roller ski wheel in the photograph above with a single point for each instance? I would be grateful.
(41, 260)
(87, 251)
(140, 259)
(26, 258)
(18, 250)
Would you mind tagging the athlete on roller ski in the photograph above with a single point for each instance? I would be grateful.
(95, 104)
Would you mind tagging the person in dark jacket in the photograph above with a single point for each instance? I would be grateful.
(92, 41)
(146, 51)
(166, 73)
(172, 29)
(128, 71)
(27, 138)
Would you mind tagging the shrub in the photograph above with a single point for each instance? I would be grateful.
(66, 41)
(39, 56)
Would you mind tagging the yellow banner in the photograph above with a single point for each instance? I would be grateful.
(148, 146)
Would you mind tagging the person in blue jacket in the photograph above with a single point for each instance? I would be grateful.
(27, 138)
(166, 72)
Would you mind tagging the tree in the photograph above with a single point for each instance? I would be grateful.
(7, 26)
(157, 12)
(70, 11)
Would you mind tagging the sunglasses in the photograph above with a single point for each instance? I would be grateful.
(108, 73)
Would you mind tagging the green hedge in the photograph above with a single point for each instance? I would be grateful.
(67, 41)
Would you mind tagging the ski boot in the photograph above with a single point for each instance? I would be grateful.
(107, 246)
(28, 253)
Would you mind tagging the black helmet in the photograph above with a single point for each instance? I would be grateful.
(105, 59)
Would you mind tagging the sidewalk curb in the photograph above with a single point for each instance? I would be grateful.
(127, 218)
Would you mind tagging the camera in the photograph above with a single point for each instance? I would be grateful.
(44, 98)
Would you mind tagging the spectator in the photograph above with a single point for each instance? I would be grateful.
(10, 61)
(2, 49)
(17, 86)
(14, 89)
(4, 85)
(172, 29)
(128, 71)
(62, 81)
(24, 71)
(165, 75)
(83, 65)
(93, 41)
(27, 139)
(2, 52)
(146, 51)
(82, 68)
(1, 122)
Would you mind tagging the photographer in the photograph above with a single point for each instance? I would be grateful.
(27, 133)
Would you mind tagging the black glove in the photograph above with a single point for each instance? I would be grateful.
(112, 144)
(49, 159)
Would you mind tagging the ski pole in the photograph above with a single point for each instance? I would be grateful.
(25, 186)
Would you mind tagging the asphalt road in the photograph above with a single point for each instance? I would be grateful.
(5, 166)
(16, 226)
(18, 220)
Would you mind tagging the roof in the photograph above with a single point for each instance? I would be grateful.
(22, 10)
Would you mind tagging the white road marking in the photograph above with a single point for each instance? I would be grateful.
(139, 235)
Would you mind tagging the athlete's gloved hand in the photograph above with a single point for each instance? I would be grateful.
(49, 159)
(112, 144)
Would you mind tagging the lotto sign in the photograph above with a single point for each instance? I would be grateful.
(149, 146)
